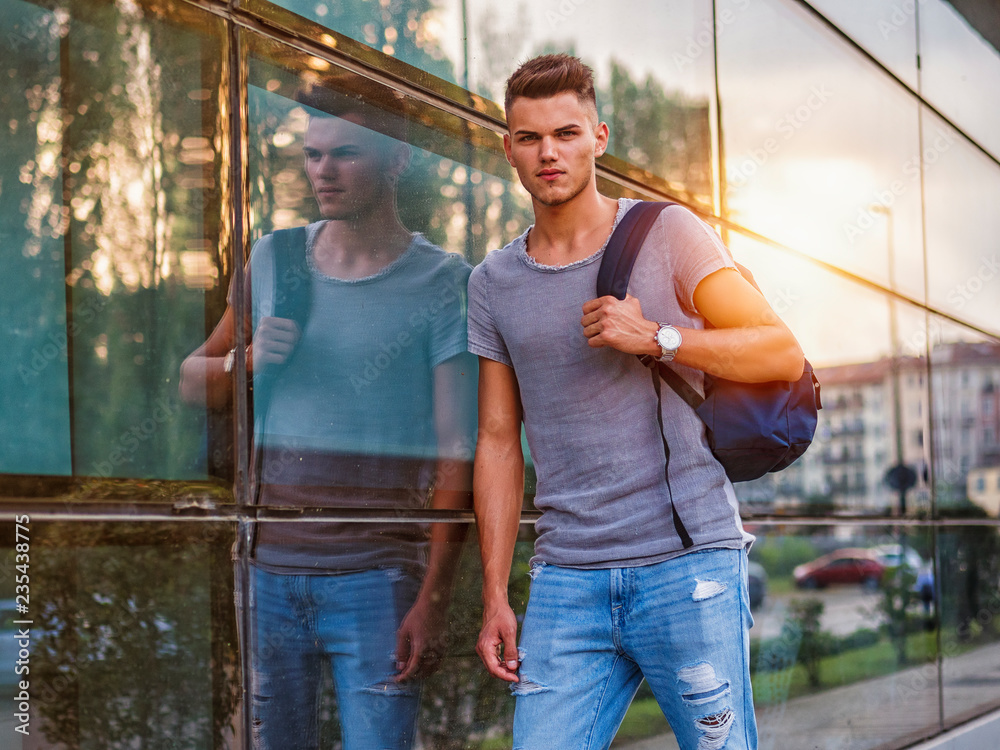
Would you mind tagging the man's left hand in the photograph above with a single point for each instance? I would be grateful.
(608, 321)
(420, 641)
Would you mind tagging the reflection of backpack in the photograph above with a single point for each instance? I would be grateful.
(752, 428)
(292, 297)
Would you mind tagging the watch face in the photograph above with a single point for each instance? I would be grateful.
(669, 338)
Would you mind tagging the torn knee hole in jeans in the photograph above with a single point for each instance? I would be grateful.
(390, 688)
(525, 685)
(703, 685)
(707, 589)
(714, 729)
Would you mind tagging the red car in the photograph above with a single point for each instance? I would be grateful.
(842, 566)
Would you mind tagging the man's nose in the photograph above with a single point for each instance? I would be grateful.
(327, 166)
(548, 150)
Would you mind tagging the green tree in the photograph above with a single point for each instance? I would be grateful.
(803, 623)
(664, 133)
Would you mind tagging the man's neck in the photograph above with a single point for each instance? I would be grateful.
(571, 231)
(354, 249)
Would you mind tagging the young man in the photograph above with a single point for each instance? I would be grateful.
(640, 562)
(364, 409)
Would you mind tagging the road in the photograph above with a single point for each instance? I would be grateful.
(845, 609)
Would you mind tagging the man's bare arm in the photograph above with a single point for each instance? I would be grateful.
(419, 642)
(499, 491)
(203, 379)
(749, 342)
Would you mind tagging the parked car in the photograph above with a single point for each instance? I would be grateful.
(896, 555)
(849, 565)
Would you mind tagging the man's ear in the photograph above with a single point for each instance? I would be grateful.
(602, 135)
(506, 148)
(400, 158)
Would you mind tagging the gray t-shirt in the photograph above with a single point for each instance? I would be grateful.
(350, 418)
(590, 414)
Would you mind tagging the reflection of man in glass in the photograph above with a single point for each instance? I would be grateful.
(358, 404)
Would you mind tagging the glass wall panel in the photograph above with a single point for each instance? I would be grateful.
(130, 635)
(456, 188)
(114, 206)
(886, 29)
(963, 266)
(871, 363)
(969, 560)
(654, 79)
(369, 652)
(363, 391)
(958, 72)
(653, 65)
(421, 33)
(965, 383)
(821, 150)
(35, 380)
(844, 642)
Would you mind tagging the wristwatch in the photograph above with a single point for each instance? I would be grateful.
(669, 339)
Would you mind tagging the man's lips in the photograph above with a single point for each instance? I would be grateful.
(549, 174)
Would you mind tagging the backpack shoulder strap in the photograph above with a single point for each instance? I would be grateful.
(616, 270)
(623, 248)
(291, 275)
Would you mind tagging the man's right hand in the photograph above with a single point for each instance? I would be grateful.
(273, 342)
(499, 630)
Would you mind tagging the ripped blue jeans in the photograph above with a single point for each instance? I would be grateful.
(590, 636)
(302, 625)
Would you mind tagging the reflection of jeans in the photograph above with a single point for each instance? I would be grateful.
(301, 622)
(589, 637)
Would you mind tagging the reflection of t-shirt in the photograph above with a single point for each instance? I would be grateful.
(590, 414)
(350, 418)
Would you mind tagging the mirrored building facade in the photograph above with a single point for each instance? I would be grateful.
(168, 461)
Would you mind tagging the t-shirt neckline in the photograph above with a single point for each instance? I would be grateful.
(522, 248)
(313, 233)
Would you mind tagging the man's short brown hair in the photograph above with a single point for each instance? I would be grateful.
(548, 75)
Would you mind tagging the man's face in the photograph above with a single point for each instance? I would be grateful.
(352, 169)
(552, 144)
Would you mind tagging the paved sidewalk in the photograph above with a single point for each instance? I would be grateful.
(876, 712)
